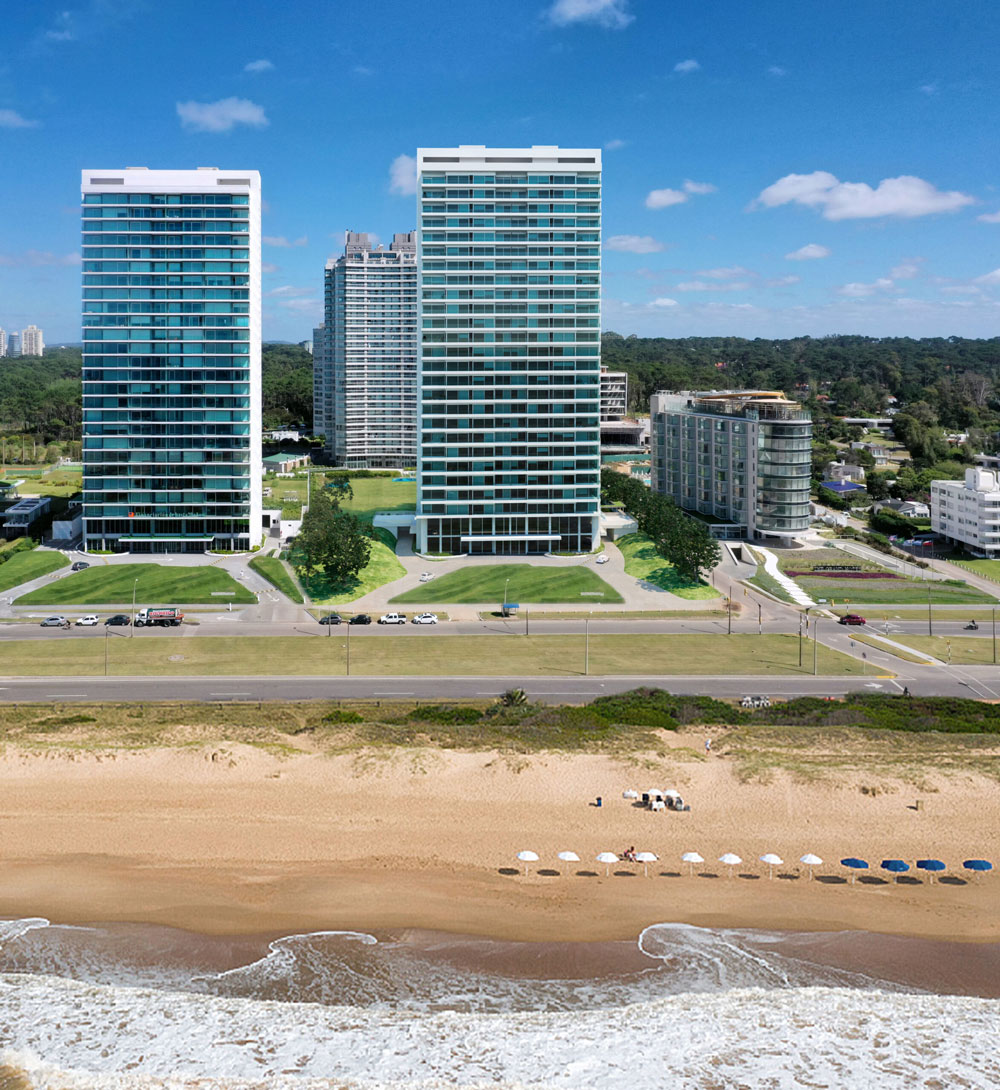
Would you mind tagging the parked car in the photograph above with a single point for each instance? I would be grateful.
(89, 621)
(80, 565)
(425, 618)
(331, 618)
(603, 558)
(360, 618)
(118, 618)
(392, 618)
(852, 618)
(55, 622)
(755, 702)
(426, 576)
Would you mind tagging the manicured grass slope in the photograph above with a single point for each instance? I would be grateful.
(527, 583)
(23, 567)
(427, 655)
(382, 568)
(644, 562)
(272, 569)
(111, 584)
(374, 494)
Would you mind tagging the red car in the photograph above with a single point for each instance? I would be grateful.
(852, 618)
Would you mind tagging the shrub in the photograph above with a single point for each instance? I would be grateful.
(342, 716)
(449, 714)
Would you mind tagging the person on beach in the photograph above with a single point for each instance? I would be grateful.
(708, 746)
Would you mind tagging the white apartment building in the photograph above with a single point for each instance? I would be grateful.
(968, 512)
(365, 366)
(171, 359)
(510, 285)
(3, 343)
(614, 395)
(32, 343)
(14, 343)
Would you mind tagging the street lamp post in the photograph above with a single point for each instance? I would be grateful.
(586, 645)
(132, 626)
(994, 612)
(348, 649)
(815, 646)
(930, 621)
(729, 610)
(503, 604)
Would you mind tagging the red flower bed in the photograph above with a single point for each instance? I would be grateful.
(843, 575)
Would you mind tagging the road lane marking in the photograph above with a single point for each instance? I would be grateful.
(394, 694)
(230, 694)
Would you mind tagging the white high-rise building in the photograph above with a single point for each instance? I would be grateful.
(3, 343)
(510, 269)
(32, 343)
(365, 375)
(968, 512)
(171, 359)
(14, 343)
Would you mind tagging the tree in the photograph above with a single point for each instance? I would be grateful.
(332, 541)
(877, 485)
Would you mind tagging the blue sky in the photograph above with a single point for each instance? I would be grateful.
(772, 168)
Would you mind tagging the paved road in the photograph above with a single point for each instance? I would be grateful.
(976, 682)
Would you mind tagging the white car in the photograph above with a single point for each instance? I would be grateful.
(89, 621)
(425, 576)
(392, 618)
(425, 618)
(603, 558)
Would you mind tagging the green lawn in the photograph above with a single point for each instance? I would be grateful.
(382, 568)
(275, 572)
(23, 567)
(644, 562)
(524, 583)
(425, 654)
(371, 495)
(158, 584)
(989, 569)
(965, 650)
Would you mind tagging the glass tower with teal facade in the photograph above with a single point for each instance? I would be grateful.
(171, 360)
(509, 400)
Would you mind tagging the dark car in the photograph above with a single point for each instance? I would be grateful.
(80, 565)
(331, 618)
(852, 618)
(360, 618)
(119, 618)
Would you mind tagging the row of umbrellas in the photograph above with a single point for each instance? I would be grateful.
(730, 860)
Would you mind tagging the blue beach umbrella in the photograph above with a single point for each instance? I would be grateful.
(895, 866)
(854, 864)
(980, 865)
(931, 866)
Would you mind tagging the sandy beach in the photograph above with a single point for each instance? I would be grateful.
(232, 839)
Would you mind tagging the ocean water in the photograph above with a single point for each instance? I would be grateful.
(122, 1006)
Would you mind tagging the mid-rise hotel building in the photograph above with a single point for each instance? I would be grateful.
(171, 359)
(509, 404)
(32, 341)
(740, 458)
(365, 364)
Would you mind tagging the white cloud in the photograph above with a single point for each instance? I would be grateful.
(614, 145)
(810, 252)
(289, 291)
(783, 281)
(267, 267)
(220, 116)
(403, 175)
(863, 291)
(64, 30)
(989, 217)
(908, 268)
(929, 88)
(777, 70)
(728, 272)
(37, 258)
(684, 67)
(308, 305)
(11, 119)
(989, 278)
(705, 285)
(663, 301)
(611, 14)
(363, 70)
(263, 65)
(905, 196)
(634, 244)
(280, 240)
(664, 198)
(699, 188)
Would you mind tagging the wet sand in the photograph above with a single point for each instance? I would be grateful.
(234, 841)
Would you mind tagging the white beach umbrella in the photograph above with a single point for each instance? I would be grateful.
(691, 858)
(730, 860)
(670, 793)
(811, 861)
(569, 857)
(772, 861)
(526, 858)
(645, 858)
(630, 794)
(607, 858)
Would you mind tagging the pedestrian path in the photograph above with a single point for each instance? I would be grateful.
(794, 591)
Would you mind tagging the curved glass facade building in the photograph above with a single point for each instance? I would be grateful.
(741, 459)
(171, 360)
(509, 401)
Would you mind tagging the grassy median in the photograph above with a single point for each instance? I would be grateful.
(23, 567)
(154, 584)
(521, 582)
(275, 572)
(424, 655)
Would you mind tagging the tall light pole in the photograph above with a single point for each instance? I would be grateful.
(815, 645)
(586, 645)
(729, 630)
(132, 626)
(930, 622)
(348, 649)
(503, 604)
(994, 612)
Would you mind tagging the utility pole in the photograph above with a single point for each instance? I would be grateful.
(107, 633)
(348, 650)
(132, 626)
(930, 622)
(800, 641)
(994, 612)
(815, 646)
(586, 645)
(760, 621)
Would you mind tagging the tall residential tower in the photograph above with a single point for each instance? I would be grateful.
(32, 342)
(510, 267)
(171, 359)
(365, 369)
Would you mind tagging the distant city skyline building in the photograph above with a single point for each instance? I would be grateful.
(365, 375)
(741, 458)
(510, 267)
(614, 395)
(14, 343)
(32, 342)
(171, 359)
(3, 343)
